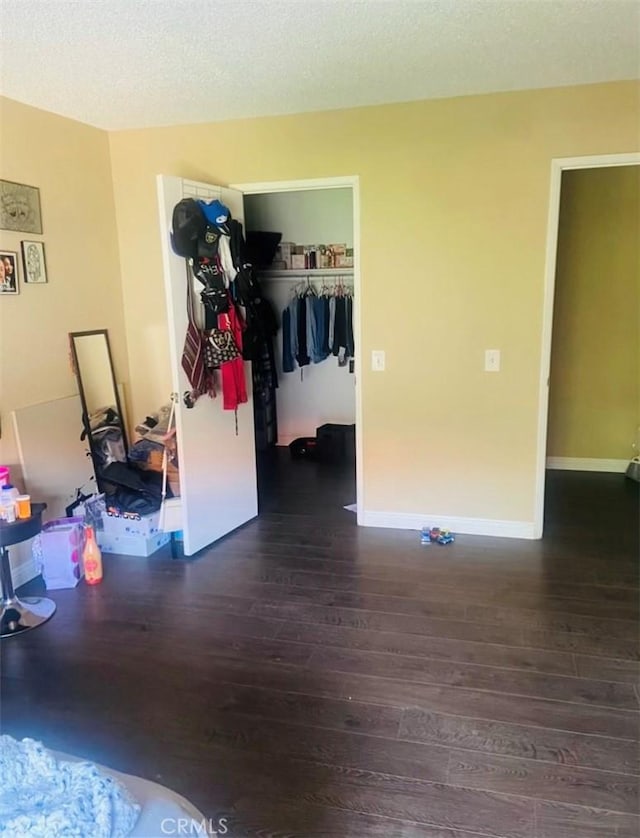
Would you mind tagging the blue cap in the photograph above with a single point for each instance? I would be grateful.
(215, 212)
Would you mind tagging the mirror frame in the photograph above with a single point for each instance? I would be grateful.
(83, 400)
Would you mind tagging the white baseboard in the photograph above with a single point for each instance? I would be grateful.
(23, 573)
(467, 526)
(285, 439)
(587, 464)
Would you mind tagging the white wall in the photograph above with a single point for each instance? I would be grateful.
(316, 216)
(326, 392)
(70, 163)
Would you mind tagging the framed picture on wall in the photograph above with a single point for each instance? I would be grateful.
(33, 262)
(20, 207)
(9, 282)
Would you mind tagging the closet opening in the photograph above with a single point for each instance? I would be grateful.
(303, 238)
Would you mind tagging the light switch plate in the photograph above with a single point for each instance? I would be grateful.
(378, 360)
(492, 360)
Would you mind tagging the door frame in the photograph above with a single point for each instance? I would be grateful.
(558, 166)
(349, 182)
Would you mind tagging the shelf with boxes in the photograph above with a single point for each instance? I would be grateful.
(302, 257)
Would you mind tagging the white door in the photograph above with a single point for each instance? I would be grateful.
(217, 466)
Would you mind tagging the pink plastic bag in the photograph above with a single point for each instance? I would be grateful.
(62, 543)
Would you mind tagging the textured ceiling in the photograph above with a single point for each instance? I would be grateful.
(136, 63)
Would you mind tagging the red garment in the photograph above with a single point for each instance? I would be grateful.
(234, 390)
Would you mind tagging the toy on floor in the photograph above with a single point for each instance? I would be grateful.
(440, 536)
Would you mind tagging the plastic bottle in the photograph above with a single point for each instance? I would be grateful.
(10, 491)
(8, 497)
(91, 558)
(7, 511)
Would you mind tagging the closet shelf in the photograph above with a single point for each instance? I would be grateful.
(310, 272)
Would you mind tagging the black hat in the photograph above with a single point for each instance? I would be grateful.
(188, 225)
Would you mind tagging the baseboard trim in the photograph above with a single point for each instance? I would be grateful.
(23, 573)
(587, 464)
(466, 526)
(286, 439)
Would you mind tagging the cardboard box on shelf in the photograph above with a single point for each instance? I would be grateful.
(283, 254)
(344, 261)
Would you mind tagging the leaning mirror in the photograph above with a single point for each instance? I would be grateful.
(101, 410)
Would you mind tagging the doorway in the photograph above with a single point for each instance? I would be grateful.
(320, 217)
(577, 433)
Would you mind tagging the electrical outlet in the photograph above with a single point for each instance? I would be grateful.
(378, 360)
(492, 360)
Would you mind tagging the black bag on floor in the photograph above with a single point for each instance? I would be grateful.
(304, 448)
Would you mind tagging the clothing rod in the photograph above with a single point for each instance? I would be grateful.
(302, 279)
(305, 272)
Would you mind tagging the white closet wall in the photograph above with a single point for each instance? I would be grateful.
(315, 216)
(326, 392)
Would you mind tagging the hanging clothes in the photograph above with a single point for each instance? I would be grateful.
(234, 390)
(302, 356)
(318, 329)
(287, 353)
(293, 307)
(326, 314)
(317, 325)
(332, 322)
(316, 340)
(351, 347)
(340, 326)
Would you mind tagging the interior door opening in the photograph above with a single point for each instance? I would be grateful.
(213, 440)
(303, 242)
(593, 414)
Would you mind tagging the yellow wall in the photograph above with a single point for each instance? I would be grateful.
(454, 209)
(70, 164)
(595, 363)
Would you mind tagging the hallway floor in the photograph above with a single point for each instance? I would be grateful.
(306, 677)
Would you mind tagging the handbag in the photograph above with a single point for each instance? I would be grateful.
(220, 347)
(193, 350)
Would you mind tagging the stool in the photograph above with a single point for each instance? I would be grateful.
(19, 615)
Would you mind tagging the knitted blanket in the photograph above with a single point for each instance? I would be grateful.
(43, 797)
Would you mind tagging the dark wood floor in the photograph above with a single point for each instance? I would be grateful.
(308, 678)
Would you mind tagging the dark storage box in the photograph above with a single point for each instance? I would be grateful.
(336, 443)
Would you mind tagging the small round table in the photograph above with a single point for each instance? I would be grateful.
(19, 615)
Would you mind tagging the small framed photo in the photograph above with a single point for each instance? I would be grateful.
(33, 262)
(9, 283)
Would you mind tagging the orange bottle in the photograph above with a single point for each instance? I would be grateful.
(91, 558)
